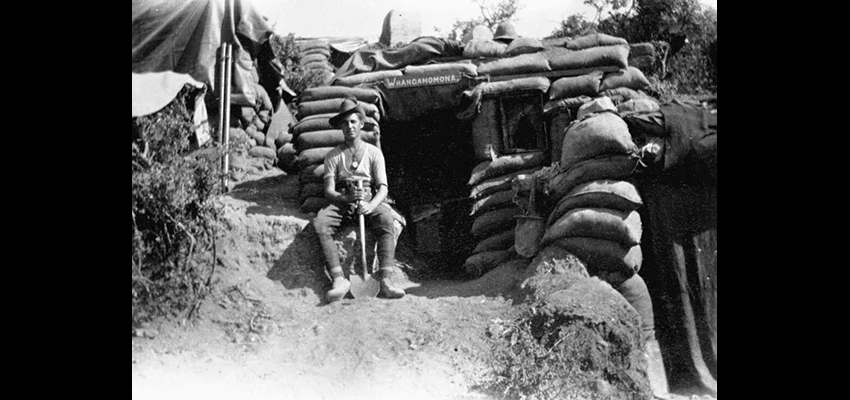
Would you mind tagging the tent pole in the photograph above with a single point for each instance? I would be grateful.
(220, 88)
(226, 131)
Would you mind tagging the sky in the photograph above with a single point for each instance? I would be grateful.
(359, 18)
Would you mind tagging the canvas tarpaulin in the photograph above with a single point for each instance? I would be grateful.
(680, 269)
(184, 35)
(418, 51)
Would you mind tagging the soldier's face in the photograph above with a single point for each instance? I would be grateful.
(351, 126)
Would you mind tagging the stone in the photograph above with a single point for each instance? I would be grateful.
(400, 27)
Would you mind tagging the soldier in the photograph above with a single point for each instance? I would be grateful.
(351, 161)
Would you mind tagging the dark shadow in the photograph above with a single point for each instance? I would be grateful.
(302, 264)
(274, 196)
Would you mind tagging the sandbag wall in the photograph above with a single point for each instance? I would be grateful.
(493, 210)
(257, 130)
(595, 213)
(315, 55)
(313, 136)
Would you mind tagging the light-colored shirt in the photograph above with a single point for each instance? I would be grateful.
(371, 166)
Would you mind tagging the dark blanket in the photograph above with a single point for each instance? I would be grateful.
(679, 245)
(418, 51)
(691, 144)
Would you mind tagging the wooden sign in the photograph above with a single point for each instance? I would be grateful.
(433, 79)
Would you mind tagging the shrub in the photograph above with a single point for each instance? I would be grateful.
(173, 213)
(296, 77)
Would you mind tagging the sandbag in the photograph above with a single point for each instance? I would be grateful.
(484, 48)
(325, 51)
(306, 59)
(339, 92)
(600, 223)
(312, 174)
(605, 56)
(320, 65)
(255, 134)
(263, 151)
(322, 122)
(494, 221)
(314, 204)
(614, 167)
(638, 105)
(366, 77)
(597, 105)
(331, 106)
(462, 67)
(312, 189)
(521, 64)
(515, 85)
(594, 40)
(486, 131)
(329, 138)
(504, 165)
(499, 241)
(286, 156)
(604, 193)
(634, 290)
(623, 94)
(564, 105)
(493, 201)
(523, 45)
(497, 184)
(576, 86)
(247, 115)
(630, 77)
(310, 157)
(603, 255)
(600, 134)
(481, 263)
(307, 45)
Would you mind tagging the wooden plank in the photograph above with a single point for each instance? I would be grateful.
(554, 74)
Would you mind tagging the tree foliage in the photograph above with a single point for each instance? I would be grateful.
(296, 77)
(173, 213)
(492, 14)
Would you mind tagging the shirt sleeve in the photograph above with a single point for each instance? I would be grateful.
(379, 170)
(330, 166)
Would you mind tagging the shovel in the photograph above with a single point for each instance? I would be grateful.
(363, 285)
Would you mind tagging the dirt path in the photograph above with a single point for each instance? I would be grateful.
(264, 331)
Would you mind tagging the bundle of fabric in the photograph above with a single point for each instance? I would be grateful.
(313, 136)
(493, 208)
(595, 215)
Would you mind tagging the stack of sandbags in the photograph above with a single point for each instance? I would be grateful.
(487, 141)
(315, 55)
(595, 51)
(251, 117)
(493, 209)
(595, 217)
(313, 136)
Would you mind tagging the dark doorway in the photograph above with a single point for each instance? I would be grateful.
(429, 161)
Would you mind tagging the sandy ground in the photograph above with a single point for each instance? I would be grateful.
(264, 332)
